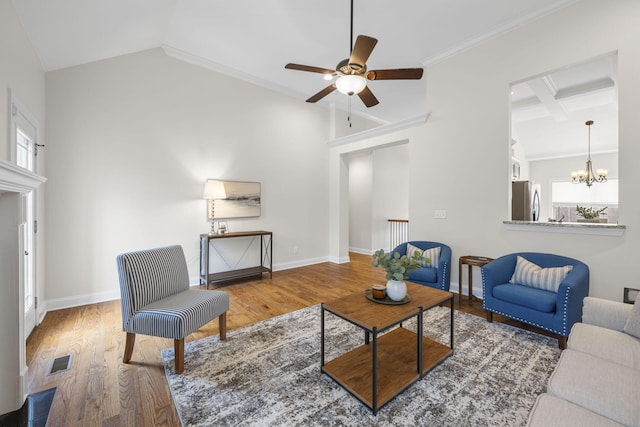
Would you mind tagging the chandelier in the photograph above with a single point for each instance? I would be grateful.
(587, 176)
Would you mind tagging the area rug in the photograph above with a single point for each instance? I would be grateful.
(268, 374)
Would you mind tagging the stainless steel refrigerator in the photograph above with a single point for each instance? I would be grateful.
(525, 201)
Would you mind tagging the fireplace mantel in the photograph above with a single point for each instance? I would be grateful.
(14, 180)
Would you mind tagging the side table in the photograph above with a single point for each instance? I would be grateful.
(630, 295)
(470, 261)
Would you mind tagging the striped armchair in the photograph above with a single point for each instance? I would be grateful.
(156, 299)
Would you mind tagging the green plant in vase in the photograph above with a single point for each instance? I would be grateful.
(397, 268)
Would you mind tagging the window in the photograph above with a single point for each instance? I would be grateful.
(565, 196)
(549, 139)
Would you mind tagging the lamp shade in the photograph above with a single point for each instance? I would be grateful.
(351, 84)
(214, 189)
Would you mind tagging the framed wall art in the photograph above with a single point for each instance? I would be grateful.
(241, 200)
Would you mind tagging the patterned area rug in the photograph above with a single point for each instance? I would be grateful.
(268, 374)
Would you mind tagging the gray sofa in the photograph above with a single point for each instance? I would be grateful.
(597, 379)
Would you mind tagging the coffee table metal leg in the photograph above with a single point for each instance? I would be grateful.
(322, 336)
(451, 341)
(420, 326)
(374, 394)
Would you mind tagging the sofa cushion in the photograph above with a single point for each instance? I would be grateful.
(530, 274)
(632, 327)
(551, 411)
(432, 253)
(424, 274)
(608, 344)
(605, 313)
(526, 296)
(604, 387)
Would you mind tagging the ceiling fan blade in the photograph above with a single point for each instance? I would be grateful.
(361, 51)
(395, 74)
(299, 67)
(367, 97)
(324, 92)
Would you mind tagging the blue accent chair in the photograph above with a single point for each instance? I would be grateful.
(554, 312)
(436, 277)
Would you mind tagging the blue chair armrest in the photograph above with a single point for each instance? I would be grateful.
(573, 289)
(498, 272)
(444, 267)
(401, 249)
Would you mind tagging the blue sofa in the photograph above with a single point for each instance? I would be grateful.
(553, 311)
(436, 277)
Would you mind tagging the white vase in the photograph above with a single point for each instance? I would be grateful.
(396, 290)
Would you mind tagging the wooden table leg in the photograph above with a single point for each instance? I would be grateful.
(460, 282)
(470, 284)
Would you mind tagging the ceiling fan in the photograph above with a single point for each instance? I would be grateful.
(353, 73)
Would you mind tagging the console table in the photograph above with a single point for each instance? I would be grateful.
(265, 261)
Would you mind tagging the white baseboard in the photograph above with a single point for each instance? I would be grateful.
(78, 300)
(477, 291)
(300, 263)
(343, 260)
(361, 251)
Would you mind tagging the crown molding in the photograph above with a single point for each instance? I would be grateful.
(475, 41)
(381, 130)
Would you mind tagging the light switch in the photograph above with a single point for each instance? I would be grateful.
(440, 214)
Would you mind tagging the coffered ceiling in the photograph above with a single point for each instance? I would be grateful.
(253, 39)
(549, 111)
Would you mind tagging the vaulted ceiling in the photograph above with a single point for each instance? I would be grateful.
(254, 39)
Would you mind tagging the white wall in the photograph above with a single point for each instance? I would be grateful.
(357, 122)
(131, 141)
(460, 159)
(391, 191)
(20, 70)
(360, 202)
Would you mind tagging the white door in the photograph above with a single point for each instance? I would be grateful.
(24, 133)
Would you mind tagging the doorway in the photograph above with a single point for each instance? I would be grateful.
(23, 150)
(378, 191)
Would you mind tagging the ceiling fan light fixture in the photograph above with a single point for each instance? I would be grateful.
(351, 84)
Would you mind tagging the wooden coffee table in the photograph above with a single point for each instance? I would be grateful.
(385, 365)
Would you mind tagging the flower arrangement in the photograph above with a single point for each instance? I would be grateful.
(590, 213)
(397, 266)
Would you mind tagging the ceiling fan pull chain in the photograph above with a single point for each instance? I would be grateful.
(349, 111)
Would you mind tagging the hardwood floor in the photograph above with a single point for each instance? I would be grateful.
(99, 390)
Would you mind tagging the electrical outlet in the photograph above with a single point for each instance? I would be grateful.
(440, 214)
(295, 249)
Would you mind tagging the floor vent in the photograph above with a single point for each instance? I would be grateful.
(59, 364)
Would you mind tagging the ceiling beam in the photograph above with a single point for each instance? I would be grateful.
(545, 89)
